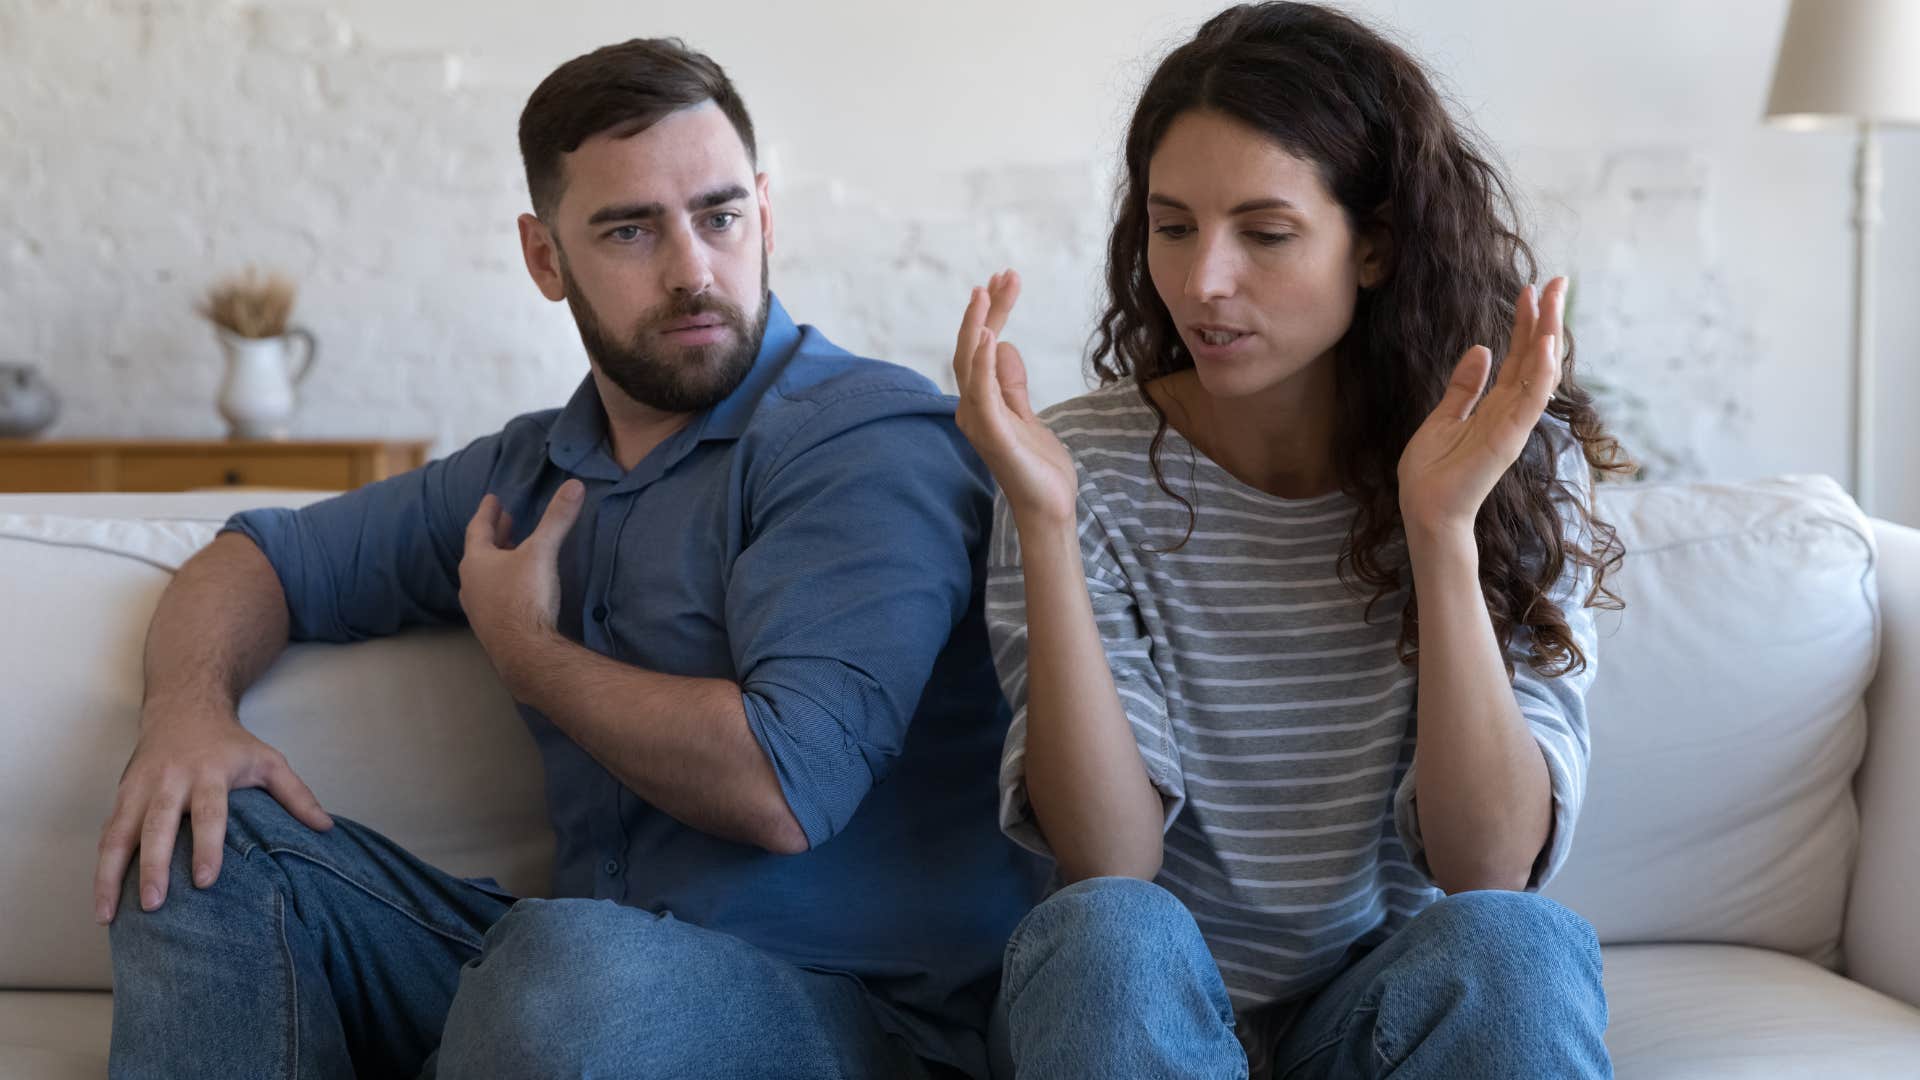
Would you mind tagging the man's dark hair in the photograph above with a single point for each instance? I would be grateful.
(627, 87)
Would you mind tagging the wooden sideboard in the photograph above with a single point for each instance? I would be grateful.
(179, 465)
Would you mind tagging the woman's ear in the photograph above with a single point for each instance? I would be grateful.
(1374, 251)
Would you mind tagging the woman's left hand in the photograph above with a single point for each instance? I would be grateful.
(1469, 441)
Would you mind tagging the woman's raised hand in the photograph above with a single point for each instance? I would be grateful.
(1469, 441)
(1033, 469)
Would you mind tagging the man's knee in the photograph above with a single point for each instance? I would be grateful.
(563, 986)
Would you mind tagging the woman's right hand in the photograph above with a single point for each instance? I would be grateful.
(1033, 469)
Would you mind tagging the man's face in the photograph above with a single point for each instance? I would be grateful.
(659, 245)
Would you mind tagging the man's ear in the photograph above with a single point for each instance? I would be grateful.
(1374, 249)
(543, 257)
(766, 212)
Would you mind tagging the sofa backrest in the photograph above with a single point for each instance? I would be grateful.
(1726, 718)
(412, 735)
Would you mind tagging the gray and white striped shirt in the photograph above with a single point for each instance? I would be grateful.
(1272, 715)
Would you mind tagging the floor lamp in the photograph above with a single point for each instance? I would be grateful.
(1853, 64)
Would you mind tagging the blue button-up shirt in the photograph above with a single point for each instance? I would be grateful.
(817, 538)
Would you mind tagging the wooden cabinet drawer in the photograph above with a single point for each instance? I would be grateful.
(183, 465)
(183, 472)
(48, 472)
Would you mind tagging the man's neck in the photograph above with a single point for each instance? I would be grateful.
(634, 429)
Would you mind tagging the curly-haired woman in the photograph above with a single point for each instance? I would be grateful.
(1306, 509)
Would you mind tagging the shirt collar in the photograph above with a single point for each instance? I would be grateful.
(578, 439)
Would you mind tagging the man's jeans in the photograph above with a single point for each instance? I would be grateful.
(336, 953)
(1110, 977)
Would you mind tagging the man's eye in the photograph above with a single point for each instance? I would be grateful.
(723, 221)
(626, 233)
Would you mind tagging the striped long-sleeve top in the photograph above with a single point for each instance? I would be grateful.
(1271, 711)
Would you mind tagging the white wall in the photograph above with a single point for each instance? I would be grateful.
(367, 146)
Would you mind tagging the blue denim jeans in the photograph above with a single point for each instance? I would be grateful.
(1110, 977)
(338, 953)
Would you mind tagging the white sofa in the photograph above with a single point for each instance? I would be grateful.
(1749, 852)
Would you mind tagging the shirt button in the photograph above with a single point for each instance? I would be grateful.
(600, 613)
(612, 867)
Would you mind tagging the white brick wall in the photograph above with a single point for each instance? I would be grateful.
(149, 146)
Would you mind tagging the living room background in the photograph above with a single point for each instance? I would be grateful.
(366, 148)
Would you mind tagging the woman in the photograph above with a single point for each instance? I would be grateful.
(1305, 507)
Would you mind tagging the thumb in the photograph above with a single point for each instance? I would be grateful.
(1013, 381)
(1469, 378)
(484, 524)
(562, 510)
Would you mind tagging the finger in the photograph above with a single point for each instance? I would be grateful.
(157, 835)
(562, 511)
(503, 530)
(982, 384)
(208, 814)
(1526, 313)
(116, 852)
(1531, 396)
(1012, 370)
(290, 791)
(1002, 294)
(969, 337)
(480, 528)
(1463, 388)
(1553, 303)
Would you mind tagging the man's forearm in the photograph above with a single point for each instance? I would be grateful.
(1483, 793)
(218, 626)
(680, 743)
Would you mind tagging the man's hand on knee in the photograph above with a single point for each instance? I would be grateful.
(187, 762)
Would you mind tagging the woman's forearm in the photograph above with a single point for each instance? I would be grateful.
(1482, 791)
(1091, 796)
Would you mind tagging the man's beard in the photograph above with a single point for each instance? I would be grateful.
(680, 380)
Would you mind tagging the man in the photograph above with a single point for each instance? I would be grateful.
(734, 586)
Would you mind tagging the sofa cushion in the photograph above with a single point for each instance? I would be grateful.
(1705, 1012)
(1726, 718)
(411, 735)
(54, 1036)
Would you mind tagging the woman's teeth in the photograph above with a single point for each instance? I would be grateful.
(1218, 337)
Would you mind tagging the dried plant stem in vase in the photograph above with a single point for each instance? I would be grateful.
(251, 313)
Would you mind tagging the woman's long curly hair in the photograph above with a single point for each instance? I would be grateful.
(1333, 92)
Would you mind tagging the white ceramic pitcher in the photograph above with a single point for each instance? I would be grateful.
(262, 373)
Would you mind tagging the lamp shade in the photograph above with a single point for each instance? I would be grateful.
(1844, 61)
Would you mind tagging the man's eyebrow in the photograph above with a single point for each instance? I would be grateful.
(627, 212)
(717, 197)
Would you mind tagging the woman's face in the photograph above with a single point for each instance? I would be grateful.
(1257, 263)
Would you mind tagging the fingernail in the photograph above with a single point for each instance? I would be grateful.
(102, 913)
(150, 897)
(203, 875)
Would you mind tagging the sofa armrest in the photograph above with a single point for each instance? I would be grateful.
(1881, 942)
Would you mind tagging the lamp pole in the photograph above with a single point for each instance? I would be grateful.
(1866, 219)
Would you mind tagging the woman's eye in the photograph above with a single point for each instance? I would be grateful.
(1172, 232)
(1268, 239)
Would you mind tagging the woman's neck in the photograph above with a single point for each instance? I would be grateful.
(1279, 441)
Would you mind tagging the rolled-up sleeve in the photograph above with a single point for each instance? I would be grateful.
(1129, 649)
(859, 563)
(379, 558)
(1554, 707)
